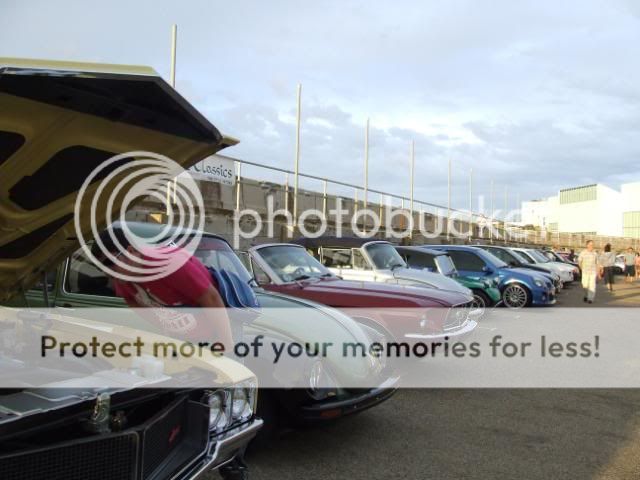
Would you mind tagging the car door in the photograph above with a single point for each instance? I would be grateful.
(469, 264)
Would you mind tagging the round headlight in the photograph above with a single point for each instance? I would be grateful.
(315, 376)
(240, 406)
(216, 401)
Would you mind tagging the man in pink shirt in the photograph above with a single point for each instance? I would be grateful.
(186, 284)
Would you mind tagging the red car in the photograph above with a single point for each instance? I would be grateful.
(405, 312)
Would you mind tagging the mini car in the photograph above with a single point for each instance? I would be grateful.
(485, 292)
(514, 259)
(429, 314)
(567, 273)
(364, 259)
(519, 287)
(58, 121)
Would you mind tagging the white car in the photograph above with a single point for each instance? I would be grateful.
(374, 261)
(566, 272)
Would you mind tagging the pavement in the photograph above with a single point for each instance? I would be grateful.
(474, 433)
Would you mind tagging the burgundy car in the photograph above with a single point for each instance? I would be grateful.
(289, 269)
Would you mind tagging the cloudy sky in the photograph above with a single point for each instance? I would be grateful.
(535, 96)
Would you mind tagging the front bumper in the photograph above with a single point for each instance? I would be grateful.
(544, 297)
(339, 408)
(466, 329)
(222, 451)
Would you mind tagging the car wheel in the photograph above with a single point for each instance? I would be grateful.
(516, 296)
(480, 303)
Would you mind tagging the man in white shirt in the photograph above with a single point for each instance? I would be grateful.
(588, 261)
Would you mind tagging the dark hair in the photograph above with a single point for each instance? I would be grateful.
(108, 238)
(607, 247)
(589, 241)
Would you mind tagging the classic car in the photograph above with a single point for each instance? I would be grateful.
(519, 287)
(79, 283)
(290, 269)
(58, 121)
(364, 259)
(514, 259)
(485, 292)
(567, 273)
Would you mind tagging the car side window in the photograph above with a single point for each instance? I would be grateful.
(359, 262)
(467, 261)
(501, 254)
(84, 278)
(259, 274)
(421, 261)
(336, 257)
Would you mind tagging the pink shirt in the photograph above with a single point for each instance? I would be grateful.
(181, 288)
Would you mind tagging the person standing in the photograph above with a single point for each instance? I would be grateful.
(637, 266)
(607, 262)
(588, 262)
(629, 265)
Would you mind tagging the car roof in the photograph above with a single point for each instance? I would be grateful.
(419, 249)
(332, 241)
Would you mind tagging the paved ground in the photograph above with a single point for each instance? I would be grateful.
(474, 434)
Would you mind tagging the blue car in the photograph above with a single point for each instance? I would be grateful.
(519, 287)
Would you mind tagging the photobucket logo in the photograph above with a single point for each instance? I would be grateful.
(113, 187)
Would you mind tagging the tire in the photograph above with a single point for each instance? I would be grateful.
(268, 409)
(516, 296)
(481, 301)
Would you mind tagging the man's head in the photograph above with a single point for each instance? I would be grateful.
(114, 241)
(630, 249)
(590, 245)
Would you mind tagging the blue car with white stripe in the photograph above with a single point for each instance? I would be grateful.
(519, 287)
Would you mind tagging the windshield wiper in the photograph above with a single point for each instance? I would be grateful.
(301, 277)
(396, 265)
(326, 275)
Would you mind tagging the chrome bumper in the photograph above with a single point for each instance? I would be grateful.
(468, 328)
(223, 450)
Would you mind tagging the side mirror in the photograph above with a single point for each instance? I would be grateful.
(487, 269)
(262, 278)
(513, 263)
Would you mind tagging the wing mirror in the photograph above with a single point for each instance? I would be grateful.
(487, 269)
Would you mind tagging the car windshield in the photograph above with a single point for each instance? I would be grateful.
(524, 258)
(292, 263)
(538, 257)
(217, 253)
(384, 256)
(445, 264)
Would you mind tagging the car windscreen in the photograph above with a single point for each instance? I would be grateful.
(538, 257)
(445, 264)
(384, 256)
(217, 254)
(523, 256)
(292, 263)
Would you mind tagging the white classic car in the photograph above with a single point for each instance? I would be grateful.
(363, 259)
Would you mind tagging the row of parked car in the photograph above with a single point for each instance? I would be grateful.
(58, 122)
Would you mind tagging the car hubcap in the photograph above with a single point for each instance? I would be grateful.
(515, 297)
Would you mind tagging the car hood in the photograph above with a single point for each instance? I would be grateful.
(58, 122)
(370, 294)
(530, 273)
(435, 280)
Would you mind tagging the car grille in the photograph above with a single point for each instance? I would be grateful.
(154, 450)
(457, 317)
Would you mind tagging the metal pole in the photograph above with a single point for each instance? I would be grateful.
(297, 162)
(412, 170)
(449, 200)
(174, 44)
(366, 163)
(491, 219)
(506, 208)
(286, 192)
(238, 181)
(470, 203)
(324, 199)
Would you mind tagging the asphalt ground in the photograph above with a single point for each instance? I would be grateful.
(474, 433)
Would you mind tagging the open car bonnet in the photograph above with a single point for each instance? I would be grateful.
(58, 122)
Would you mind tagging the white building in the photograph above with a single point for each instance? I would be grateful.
(589, 209)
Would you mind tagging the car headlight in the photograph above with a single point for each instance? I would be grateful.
(538, 283)
(243, 400)
(217, 401)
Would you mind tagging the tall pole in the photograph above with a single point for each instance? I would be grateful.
(172, 79)
(491, 224)
(506, 208)
(366, 164)
(449, 200)
(470, 203)
(412, 169)
(297, 161)
(174, 44)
